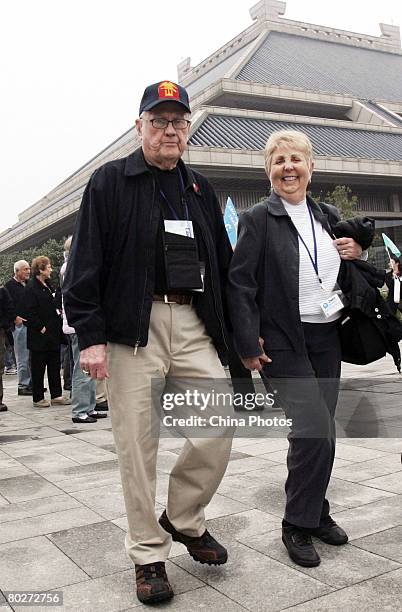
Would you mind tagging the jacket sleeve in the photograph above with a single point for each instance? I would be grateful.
(82, 286)
(7, 310)
(243, 286)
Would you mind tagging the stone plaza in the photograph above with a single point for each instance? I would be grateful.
(62, 518)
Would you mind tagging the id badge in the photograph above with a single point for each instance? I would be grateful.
(180, 227)
(332, 305)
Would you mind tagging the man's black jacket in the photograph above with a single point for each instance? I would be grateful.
(17, 292)
(7, 311)
(109, 281)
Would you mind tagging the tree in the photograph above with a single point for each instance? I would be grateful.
(343, 200)
(52, 249)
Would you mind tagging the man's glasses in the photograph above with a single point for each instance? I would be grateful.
(159, 123)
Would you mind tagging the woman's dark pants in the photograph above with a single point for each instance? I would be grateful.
(40, 360)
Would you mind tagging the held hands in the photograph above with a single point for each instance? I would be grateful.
(348, 249)
(93, 361)
(257, 363)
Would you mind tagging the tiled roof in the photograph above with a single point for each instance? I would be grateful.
(249, 133)
(317, 65)
(391, 117)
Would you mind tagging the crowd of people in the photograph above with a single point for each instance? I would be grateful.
(35, 333)
(153, 291)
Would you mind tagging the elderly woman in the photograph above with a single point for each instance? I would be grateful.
(44, 334)
(282, 278)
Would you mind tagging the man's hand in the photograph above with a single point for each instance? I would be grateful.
(348, 249)
(43, 330)
(257, 363)
(93, 361)
(19, 320)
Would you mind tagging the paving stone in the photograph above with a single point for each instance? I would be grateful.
(363, 471)
(47, 462)
(204, 598)
(36, 507)
(118, 591)
(10, 468)
(84, 470)
(107, 501)
(221, 505)
(386, 543)
(371, 518)
(340, 566)
(380, 594)
(22, 488)
(36, 564)
(98, 437)
(268, 497)
(13, 422)
(255, 581)
(47, 523)
(356, 453)
(390, 482)
(242, 525)
(387, 445)
(97, 549)
(29, 433)
(94, 480)
(248, 464)
(29, 447)
(350, 494)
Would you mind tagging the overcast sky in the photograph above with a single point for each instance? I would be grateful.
(72, 73)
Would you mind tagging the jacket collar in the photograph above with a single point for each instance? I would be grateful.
(136, 165)
(276, 208)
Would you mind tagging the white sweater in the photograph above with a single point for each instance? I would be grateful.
(311, 292)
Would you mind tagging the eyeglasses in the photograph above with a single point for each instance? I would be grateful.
(159, 123)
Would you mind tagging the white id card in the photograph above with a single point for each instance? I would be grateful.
(181, 228)
(397, 290)
(332, 305)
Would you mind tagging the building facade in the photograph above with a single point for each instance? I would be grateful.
(343, 89)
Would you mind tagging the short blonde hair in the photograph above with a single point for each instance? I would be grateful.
(39, 264)
(67, 244)
(291, 138)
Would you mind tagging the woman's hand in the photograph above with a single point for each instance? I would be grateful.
(257, 363)
(43, 330)
(348, 249)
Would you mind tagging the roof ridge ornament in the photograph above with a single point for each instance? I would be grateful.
(268, 10)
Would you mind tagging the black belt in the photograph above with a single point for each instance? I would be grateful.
(174, 298)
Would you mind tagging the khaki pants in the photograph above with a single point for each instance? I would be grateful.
(178, 346)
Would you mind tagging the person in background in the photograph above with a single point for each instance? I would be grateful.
(16, 288)
(83, 391)
(101, 397)
(10, 364)
(44, 334)
(393, 280)
(7, 316)
(281, 281)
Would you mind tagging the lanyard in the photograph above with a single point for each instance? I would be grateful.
(315, 260)
(172, 210)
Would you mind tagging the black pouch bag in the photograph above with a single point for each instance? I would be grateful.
(182, 262)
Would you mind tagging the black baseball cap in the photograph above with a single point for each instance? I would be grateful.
(164, 91)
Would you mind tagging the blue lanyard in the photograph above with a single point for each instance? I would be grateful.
(315, 260)
(172, 210)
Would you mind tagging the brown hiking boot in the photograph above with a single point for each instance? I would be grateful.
(152, 583)
(204, 549)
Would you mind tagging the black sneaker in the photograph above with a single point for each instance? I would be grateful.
(329, 532)
(204, 549)
(299, 546)
(24, 391)
(152, 583)
(3, 407)
(102, 406)
(84, 419)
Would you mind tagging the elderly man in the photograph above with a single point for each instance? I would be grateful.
(16, 288)
(146, 272)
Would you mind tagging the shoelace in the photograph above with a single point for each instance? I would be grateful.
(156, 570)
(300, 538)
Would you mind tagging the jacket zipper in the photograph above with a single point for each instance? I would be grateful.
(213, 290)
(137, 343)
